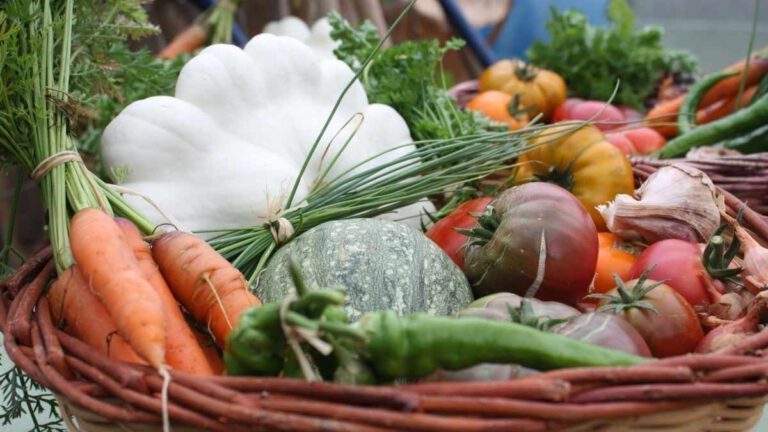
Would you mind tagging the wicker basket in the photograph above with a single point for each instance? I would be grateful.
(722, 392)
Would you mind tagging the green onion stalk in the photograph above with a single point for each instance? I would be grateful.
(35, 70)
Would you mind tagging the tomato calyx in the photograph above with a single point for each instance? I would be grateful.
(484, 229)
(525, 315)
(515, 109)
(526, 71)
(563, 178)
(628, 298)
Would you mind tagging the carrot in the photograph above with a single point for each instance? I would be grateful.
(182, 350)
(206, 284)
(723, 107)
(80, 313)
(211, 351)
(189, 40)
(663, 116)
(114, 276)
(728, 87)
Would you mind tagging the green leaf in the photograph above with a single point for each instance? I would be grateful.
(592, 59)
(621, 15)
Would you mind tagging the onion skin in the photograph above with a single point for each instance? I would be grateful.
(735, 331)
(510, 260)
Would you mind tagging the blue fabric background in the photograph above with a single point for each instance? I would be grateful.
(527, 23)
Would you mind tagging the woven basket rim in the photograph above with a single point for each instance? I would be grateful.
(552, 400)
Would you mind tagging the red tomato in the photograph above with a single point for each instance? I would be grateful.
(577, 109)
(629, 113)
(639, 140)
(671, 329)
(444, 234)
(677, 262)
(620, 140)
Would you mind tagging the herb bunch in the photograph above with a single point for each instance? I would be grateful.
(408, 77)
(591, 59)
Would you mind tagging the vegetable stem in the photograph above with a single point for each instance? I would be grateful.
(743, 82)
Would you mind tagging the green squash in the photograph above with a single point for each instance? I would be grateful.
(382, 265)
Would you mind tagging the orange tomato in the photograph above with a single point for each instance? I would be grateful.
(499, 106)
(540, 90)
(612, 258)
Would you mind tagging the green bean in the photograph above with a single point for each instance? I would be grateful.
(736, 124)
(686, 118)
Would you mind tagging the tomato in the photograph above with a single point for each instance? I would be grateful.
(581, 161)
(496, 306)
(678, 262)
(605, 116)
(444, 233)
(612, 259)
(642, 140)
(534, 235)
(498, 106)
(671, 328)
(605, 330)
(540, 90)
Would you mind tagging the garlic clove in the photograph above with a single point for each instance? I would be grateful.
(677, 201)
(755, 274)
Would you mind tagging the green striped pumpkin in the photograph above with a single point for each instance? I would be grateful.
(382, 265)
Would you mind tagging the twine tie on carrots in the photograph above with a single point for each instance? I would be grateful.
(294, 335)
(281, 229)
(52, 161)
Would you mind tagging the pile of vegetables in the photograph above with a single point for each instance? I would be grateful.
(390, 233)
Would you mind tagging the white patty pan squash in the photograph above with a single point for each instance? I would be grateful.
(318, 37)
(226, 149)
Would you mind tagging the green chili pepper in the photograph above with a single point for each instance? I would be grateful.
(686, 119)
(417, 345)
(736, 124)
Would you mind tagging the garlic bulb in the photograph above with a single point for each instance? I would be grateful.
(677, 201)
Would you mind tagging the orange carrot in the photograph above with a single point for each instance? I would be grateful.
(211, 351)
(663, 117)
(723, 107)
(182, 351)
(189, 40)
(80, 313)
(729, 87)
(114, 276)
(206, 284)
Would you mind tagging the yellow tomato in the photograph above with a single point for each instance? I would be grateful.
(581, 160)
(541, 91)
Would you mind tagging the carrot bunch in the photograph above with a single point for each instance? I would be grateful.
(117, 300)
(718, 102)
